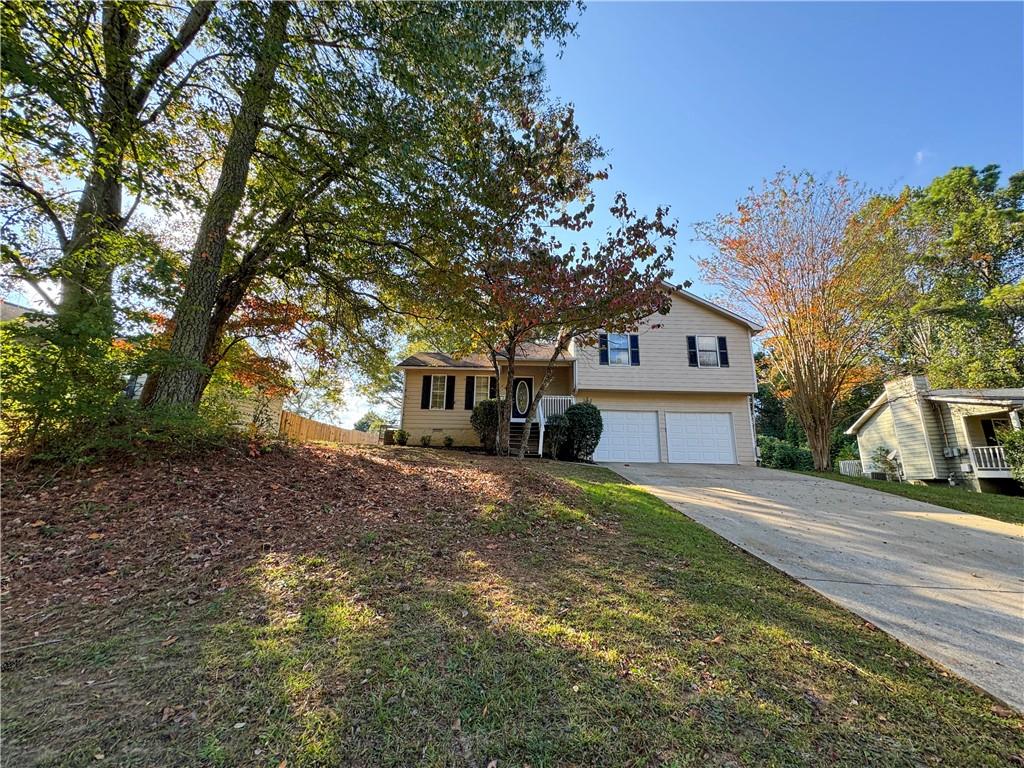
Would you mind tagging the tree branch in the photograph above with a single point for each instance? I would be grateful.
(169, 54)
(14, 182)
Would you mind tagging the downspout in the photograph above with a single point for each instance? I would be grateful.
(937, 413)
(405, 395)
(750, 398)
(753, 430)
(924, 431)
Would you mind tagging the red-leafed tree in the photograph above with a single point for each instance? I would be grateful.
(614, 287)
(524, 284)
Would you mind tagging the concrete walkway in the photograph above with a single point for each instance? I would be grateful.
(949, 584)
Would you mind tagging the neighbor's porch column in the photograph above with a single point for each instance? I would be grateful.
(1015, 419)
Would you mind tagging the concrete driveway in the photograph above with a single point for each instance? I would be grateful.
(949, 584)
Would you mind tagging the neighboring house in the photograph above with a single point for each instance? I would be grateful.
(253, 408)
(678, 392)
(9, 311)
(940, 434)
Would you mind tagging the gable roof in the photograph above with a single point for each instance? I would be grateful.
(877, 403)
(441, 360)
(1010, 397)
(529, 353)
(680, 291)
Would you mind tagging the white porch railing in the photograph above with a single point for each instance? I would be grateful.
(550, 405)
(555, 405)
(989, 458)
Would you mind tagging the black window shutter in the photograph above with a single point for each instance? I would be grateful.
(425, 395)
(691, 348)
(723, 352)
(494, 387)
(470, 392)
(449, 393)
(634, 349)
(602, 348)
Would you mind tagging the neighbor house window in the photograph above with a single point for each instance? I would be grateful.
(707, 351)
(618, 349)
(438, 387)
(481, 388)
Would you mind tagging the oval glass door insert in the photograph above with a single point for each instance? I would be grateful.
(522, 396)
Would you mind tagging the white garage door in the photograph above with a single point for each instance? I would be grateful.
(700, 438)
(628, 436)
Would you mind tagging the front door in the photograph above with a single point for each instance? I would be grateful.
(522, 396)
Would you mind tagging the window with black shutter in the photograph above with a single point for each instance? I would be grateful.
(634, 349)
(449, 393)
(602, 348)
(691, 350)
(425, 394)
(723, 352)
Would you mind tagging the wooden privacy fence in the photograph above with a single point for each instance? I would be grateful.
(306, 431)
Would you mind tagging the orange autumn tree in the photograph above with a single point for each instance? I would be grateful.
(813, 260)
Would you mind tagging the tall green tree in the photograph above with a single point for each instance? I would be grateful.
(366, 162)
(961, 319)
(92, 99)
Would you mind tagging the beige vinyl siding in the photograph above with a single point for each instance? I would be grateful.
(438, 423)
(664, 363)
(737, 405)
(918, 429)
(260, 410)
(878, 432)
(966, 419)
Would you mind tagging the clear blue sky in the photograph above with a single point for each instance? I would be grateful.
(696, 102)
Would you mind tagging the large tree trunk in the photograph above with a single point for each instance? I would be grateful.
(819, 438)
(505, 407)
(183, 382)
(87, 284)
(86, 287)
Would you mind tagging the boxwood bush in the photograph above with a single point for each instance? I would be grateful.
(778, 454)
(484, 421)
(582, 426)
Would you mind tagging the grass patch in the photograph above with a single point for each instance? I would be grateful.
(559, 616)
(1009, 509)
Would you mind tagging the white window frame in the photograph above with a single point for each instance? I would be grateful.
(476, 389)
(625, 339)
(718, 357)
(434, 389)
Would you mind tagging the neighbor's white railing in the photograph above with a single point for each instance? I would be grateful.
(851, 467)
(988, 457)
(555, 405)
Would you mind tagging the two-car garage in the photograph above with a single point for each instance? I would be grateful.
(635, 436)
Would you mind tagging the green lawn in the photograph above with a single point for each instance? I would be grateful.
(400, 607)
(1009, 509)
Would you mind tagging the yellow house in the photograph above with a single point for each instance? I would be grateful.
(678, 389)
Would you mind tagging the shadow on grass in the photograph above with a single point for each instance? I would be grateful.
(591, 625)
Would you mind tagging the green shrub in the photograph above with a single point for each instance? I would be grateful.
(57, 384)
(779, 454)
(881, 461)
(449, 441)
(425, 441)
(484, 421)
(401, 437)
(1013, 447)
(555, 434)
(582, 427)
(63, 399)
